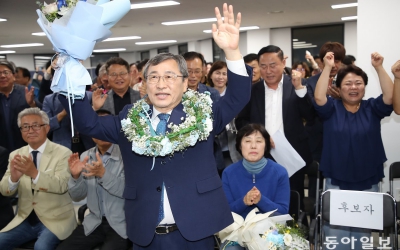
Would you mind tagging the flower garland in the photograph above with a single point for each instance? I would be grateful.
(196, 126)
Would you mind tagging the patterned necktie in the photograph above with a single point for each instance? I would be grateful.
(161, 128)
(162, 125)
(34, 157)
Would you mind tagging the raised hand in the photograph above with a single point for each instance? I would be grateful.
(95, 169)
(296, 79)
(396, 69)
(75, 165)
(98, 99)
(226, 32)
(329, 59)
(30, 96)
(376, 59)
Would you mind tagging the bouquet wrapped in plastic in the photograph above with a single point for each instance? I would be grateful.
(262, 232)
(73, 27)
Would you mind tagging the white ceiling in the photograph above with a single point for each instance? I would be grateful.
(146, 23)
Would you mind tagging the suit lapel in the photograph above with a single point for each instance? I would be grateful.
(176, 115)
(46, 156)
(259, 94)
(286, 91)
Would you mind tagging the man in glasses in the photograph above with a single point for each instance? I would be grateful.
(39, 174)
(13, 99)
(121, 94)
(174, 201)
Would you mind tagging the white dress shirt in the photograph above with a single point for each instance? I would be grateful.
(13, 185)
(273, 107)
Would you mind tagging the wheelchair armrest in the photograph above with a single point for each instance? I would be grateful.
(81, 213)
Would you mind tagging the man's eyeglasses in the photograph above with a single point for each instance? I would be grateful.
(196, 72)
(35, 127)
(168, 78)
(6, 72)
(115, 75)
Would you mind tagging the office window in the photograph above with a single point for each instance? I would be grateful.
(312, 38)
(97, 58)
(163, 50)
(218, 53)
(182, 48)
(40, 60)
(144, 55)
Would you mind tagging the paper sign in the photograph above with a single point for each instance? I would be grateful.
(356, 209)
(285, 155)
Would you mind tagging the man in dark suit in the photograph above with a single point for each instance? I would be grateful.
(121, 93)
(13, 99)
(280, 103)
(184, 187)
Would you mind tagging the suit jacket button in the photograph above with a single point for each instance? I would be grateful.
(163, 162)
(158, 189)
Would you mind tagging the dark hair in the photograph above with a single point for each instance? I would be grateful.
(305, 67)
(350, 69)
(162, 57)
(131, 64)
(48, 64)
(117, 60)
(103, 112)
(250, 57)
(337, 48)
(141, 64)
(25, 72)
(270, 49)
(349, 59)
(316, 57)
(96, 71)
(250, 129)
(216, 66)
(191, 55)
(9, 65)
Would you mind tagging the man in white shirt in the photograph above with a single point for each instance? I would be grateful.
(280, 103)
(39, 173)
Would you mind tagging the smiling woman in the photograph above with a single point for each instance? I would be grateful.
(352, 152)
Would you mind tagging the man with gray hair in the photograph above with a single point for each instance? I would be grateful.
(39, 173)
(173, 193)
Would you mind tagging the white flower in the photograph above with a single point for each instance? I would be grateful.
(125, 122)
(64, 10)
(49, 8)
(209, 125)
(287, 238)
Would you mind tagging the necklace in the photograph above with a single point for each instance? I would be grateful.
(196, 126)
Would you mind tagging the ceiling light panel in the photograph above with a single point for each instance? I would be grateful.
(22, 45)
(122, 38)
(347, 18)
(109, 50)
(153, 4)
(346, 5)
(241, 29)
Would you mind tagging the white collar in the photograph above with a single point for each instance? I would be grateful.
(40, 149)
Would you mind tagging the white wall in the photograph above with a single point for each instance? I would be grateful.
(283, 39)
(256, 39)
(350, 38)
(206, 49)
(173, 49)
(153, 52)
(130, 57)
(373, 36)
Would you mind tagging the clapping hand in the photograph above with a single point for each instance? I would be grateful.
(22, 165)
(75, 165)
(98, 98)
(96, 168)
(226, 32)
(29, 96)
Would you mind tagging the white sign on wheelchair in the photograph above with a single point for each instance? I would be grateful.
(356, 209)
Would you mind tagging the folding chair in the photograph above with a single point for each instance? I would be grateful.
(311, 204)
(389, 215)
(294, 207)
(394, 173)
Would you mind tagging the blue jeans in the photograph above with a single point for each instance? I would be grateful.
(24, 232)
(339, 232)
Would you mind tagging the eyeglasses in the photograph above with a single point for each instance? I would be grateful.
(168, 78)
(300, 70)
(6, 72)
(196, 72)
(35, 127)
(121, 74)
